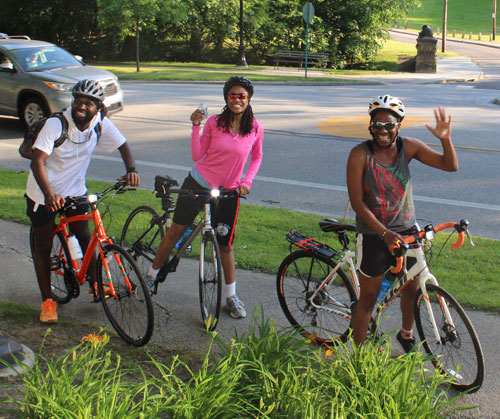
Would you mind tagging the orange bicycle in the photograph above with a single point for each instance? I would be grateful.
(120, 285)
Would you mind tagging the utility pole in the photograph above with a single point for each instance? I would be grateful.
(242, 62)
(445, 26)
(494, 16)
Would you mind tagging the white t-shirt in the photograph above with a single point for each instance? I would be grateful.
(67, 164)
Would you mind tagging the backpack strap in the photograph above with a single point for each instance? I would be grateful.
(64, 131)
(98, 130)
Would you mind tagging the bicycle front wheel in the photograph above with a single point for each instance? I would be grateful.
(323, 315)
(210, 280)
(63, 285)
(130, 311)
(457, 353)
(141, 236)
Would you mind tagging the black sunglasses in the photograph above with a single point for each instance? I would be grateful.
(387, 125)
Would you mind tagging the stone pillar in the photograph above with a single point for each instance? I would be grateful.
(426, 51)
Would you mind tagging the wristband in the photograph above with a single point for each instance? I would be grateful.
(131, 170)
(382, 236)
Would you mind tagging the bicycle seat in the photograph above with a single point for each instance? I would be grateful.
(332, 225)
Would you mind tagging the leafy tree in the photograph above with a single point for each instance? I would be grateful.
(63, 22)
(354, 30)
(129, 17)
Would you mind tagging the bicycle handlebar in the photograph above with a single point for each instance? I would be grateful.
(119, 187)
(210, 193)
(460, 227)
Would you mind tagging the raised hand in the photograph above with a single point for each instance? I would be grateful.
(443, 124)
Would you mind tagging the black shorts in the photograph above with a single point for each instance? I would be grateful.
(42, 217)
(373, 257)
(224, 213)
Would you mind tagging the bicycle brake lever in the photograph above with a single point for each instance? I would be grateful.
(470, 238)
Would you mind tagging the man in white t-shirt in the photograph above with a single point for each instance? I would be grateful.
(59, 172)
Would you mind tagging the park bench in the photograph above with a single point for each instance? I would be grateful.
(299, 57)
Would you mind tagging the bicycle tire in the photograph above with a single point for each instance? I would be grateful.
(141, 236)
(298, 276)
(460, 354)
(130, 313)
(63, 285)
(210, 280)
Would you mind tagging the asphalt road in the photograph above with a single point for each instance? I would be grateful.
(304, 167)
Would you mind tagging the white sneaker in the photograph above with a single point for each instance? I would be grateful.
(236, 307)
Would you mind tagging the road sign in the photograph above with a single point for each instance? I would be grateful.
(308, 12)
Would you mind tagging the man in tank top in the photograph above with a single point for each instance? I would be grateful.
(380, 190)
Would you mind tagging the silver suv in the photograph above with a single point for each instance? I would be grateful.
(36, 78)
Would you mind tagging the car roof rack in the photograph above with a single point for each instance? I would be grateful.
(5, 36)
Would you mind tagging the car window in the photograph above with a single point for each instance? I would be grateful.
(5, 63)
(44, 58)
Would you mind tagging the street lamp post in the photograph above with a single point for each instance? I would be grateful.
(242, 62)
(494, 16)
(445, 26)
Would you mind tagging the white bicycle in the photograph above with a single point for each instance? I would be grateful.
(318, 287)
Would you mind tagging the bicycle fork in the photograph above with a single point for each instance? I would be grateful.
(449, 321)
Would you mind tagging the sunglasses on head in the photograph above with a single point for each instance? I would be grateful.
(237, 95)
(386, 125)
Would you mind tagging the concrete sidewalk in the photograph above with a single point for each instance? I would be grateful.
(449, 70)
(179, 326)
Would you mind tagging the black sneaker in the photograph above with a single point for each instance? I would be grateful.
(407, 344)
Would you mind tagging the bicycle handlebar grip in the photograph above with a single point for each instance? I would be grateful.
(459, 242)
(460, 239)
(399, 265)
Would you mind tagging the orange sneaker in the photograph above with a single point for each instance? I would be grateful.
(49, 313)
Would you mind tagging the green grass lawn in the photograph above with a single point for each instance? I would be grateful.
(471, 274)
(463, 16)
(386, 61)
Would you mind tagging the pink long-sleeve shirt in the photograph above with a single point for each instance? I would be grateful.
(220, 158)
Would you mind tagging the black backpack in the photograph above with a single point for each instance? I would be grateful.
(31, 134)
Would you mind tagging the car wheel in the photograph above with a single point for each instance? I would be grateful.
(33, 110)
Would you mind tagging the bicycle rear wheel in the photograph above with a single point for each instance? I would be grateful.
(141, 236)
(131, 311)
(210, 280)
(63, 285)
(299, 276)
(458, 352)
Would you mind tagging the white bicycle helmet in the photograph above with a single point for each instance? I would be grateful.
(89, 88)
(391, 103)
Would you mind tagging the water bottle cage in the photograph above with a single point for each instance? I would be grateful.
(309, 244)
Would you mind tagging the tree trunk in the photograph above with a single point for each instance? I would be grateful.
(242, 62)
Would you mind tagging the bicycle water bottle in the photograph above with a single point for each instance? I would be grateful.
(74, 247)
(387, 282)
(184, 237)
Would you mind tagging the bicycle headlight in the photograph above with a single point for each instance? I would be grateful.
(215, 193)
(92, 198)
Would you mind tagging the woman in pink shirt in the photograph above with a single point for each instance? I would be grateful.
(219, 157)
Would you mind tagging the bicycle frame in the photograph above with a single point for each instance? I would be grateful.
(419, 269)
(204, 225)
(99, 238)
